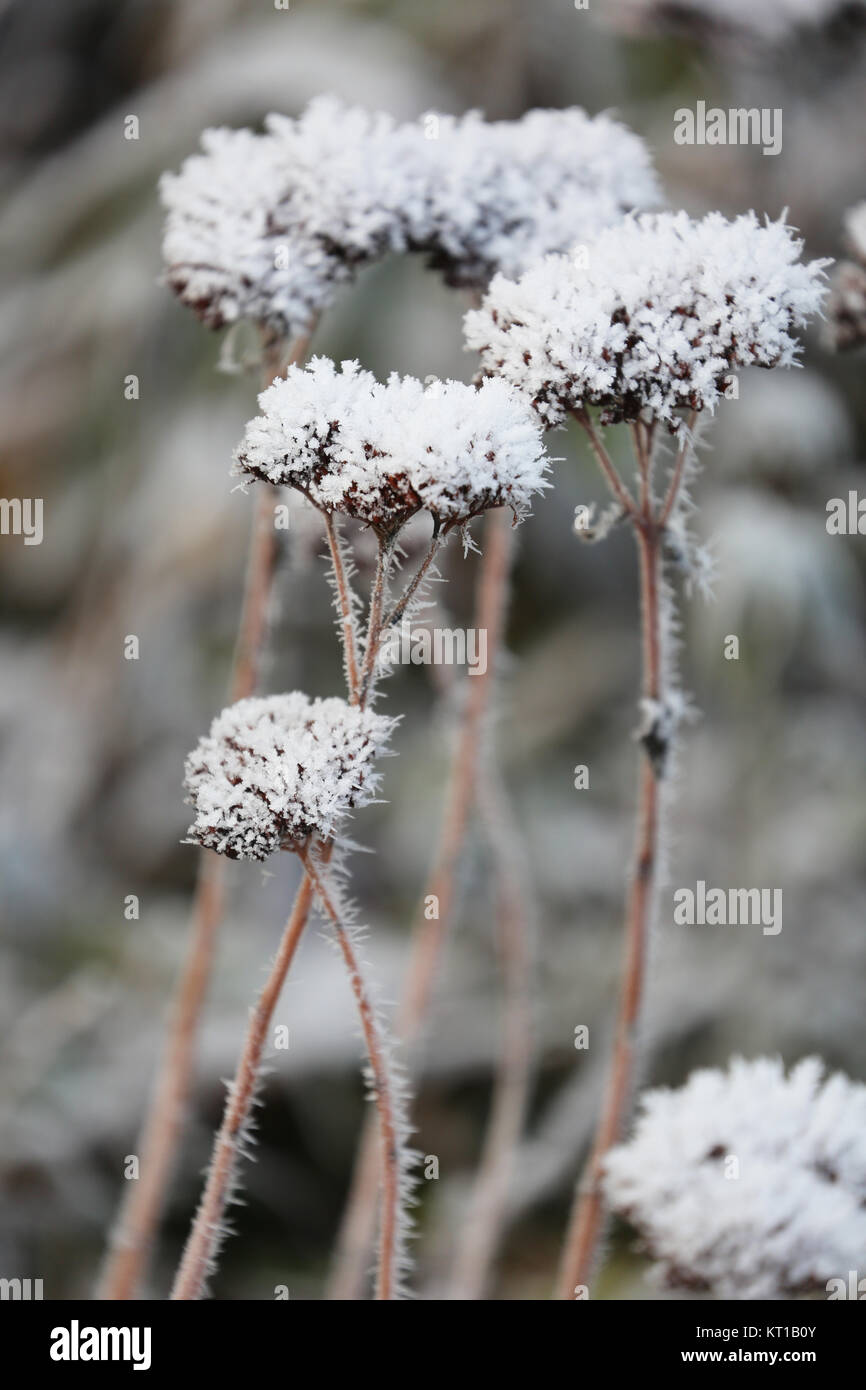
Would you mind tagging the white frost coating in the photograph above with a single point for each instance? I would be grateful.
(267, 226)
(274, 770)
(792, 1215)
(655, 316)
(382, 451)
(502, 194)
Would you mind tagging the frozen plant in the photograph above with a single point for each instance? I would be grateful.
(656, 319)
(382, 451)
(647, 328)
(748, 1183)
(281, 773)
(501, 194)
(275, 770)
(266, 227)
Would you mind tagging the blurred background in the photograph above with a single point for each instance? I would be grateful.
(144, 535)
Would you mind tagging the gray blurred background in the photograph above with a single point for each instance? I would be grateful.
(144, 535)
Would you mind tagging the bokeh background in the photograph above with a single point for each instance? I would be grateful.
(145, 535)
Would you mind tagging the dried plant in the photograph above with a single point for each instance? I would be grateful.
(281, 772)
(647, 328)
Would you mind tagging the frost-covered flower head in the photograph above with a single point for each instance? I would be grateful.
(382, 451)
(272, 771)
(501, 194)
(748, 1182)
(266, 226)
(654, 316)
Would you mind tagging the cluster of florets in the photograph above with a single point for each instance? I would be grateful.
(273, 771)
(654, 316)
(500, 195)
(382, 451)
(266, 226)
(846, 306)
(748, 1183)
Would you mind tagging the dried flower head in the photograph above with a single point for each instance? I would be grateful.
(655, 316)
(500, 195)
(272, 771)
(382, 451)
(748, 1182)
(266, 227)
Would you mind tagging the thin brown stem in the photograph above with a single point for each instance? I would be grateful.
(347, 617)
(374, 622)
(482, 1231)
(434, 924)
(588, 1215)
(133, 1235)
(608, 468)
(415, 583)
(383, 1091)
(204, 1237)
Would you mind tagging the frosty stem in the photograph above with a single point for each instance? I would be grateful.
(206, 1232)
(344, 600)
(383, 1093)
(588, 1215)
(384, 557)
(133, 1235)
(431, 931)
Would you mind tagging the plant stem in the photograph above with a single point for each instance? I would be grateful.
(384, 1094)
(133, 1235)
(204, 1237)
(417, 579)
(356, 1230)
(482, 1230)
(606, 464)
(347, 617)
(374, 625)
(587, 1218)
